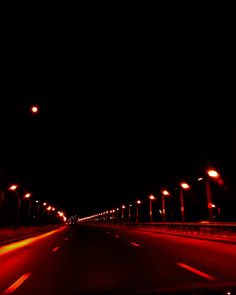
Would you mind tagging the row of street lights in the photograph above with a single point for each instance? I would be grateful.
(183, 186)
(28, 196)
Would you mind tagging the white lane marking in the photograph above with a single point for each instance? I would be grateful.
(135, 244)
(116, 236)
(17, 283)
(55, 249)
(196, 271)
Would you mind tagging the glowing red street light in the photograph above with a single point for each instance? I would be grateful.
(130, 205)
(34, 109)
(28, 195)
(123, 213)
(137, 207)
(13, 187)
(165, 193)
(150, 206)
(213, 173)
(184, 185)
(49, 208)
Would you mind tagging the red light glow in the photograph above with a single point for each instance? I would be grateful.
(152, 197)
(13, 187)
(138, 202)
(16, 245)
(213, 173)
(27, 195)
(34, 109)
(165, 193)
(184, 185)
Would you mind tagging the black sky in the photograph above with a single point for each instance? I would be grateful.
(120, 116)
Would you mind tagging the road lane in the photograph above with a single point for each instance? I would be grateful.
(21, 257)
(89, 261)
(215, 258)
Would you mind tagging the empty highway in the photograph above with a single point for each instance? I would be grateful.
(90, 259)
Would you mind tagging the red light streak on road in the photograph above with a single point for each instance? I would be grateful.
(20, 244)
(17, 283)
(197, 272)
(135, 244)
(55, 249)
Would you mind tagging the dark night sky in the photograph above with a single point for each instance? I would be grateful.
(120, 118)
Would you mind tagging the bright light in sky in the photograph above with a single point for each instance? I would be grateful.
(34, 109)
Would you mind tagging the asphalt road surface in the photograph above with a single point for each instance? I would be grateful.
(104, 259)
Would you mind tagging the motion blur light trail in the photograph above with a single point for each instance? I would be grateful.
(20, 244)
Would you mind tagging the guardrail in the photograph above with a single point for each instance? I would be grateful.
(220, 229)
(223, 228)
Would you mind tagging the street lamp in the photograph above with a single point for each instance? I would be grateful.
(130, 212)
(213, 174)
(34, 109)
(137, 209)
(14, 188)
(151, 198)
(107, 216)
(183, 186)
(27, 196)
(123, 213)
(164, 194)
(113, 215)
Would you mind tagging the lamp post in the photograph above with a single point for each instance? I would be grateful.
(117, 215)
(151, 198)
(215, 175)
(14, 188)
(183, 186)
(113, 215)
(130, 212)
(27, 196)
(38, 209)
(165, 193)
(123, 213)
(137, 209)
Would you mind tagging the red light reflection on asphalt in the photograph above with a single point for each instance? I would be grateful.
(16, 245)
